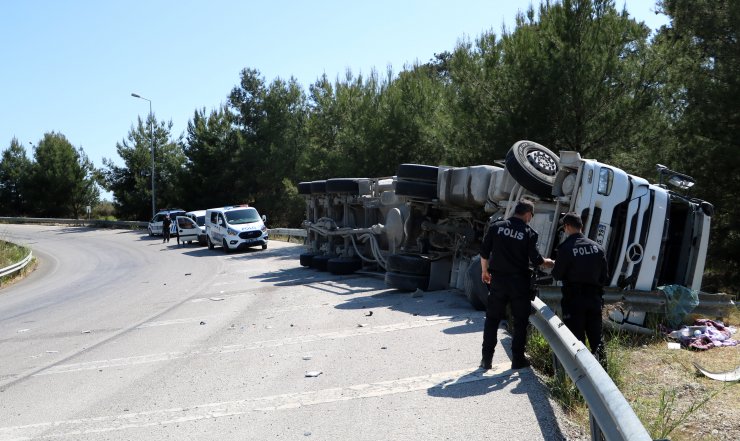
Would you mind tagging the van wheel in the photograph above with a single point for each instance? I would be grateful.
(150, 232)
(264, 246)
(210, 244)
(533, 166)
(226, 247)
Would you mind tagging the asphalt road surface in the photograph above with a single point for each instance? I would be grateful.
(117, 336)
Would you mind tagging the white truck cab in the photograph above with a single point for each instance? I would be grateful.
(235, 227)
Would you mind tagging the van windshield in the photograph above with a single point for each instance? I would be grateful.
(244, 216)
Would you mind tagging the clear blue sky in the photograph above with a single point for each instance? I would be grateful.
(71, 66)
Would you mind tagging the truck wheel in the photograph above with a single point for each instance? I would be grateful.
(475, 290)
(318, 187)
(306, 259)
(343, 265)
(414, 189)
(533, 166)
(406, 282)
(304, 188)
(320, 262)
(210, 244)
(407, 263)
(418, 172)
(342, 185)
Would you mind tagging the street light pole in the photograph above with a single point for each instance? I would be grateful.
(151, 135)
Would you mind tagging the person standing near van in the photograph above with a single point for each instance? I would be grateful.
(508, 247)
(166, 222)
(581, 266)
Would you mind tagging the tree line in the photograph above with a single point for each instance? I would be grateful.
(572, 75)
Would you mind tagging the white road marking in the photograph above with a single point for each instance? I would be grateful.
(167, 356)
(161, 417)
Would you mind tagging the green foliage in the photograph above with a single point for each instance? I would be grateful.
(131, 183)
(15, 171)
(669, 417)
(63, 180)
(704, 50)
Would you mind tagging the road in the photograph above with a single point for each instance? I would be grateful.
(117, 336)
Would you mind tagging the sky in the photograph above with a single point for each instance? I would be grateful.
(71, 66)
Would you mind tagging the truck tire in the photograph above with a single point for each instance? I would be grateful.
(475, 290)
(320, 262)
(408, 263)
(342, 185)
(304, 188)
(417, 172)
(318, 187)
(533, 166)
(306, 258)
(343, 265)
(415, 189)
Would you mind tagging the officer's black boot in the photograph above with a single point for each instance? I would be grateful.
(519, 361)
(486, 362)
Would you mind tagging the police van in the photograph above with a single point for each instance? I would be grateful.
(235, 228)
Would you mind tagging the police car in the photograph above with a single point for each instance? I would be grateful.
(235, 227)
(155, 225)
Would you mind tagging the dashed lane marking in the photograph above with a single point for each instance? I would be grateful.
(160, 417)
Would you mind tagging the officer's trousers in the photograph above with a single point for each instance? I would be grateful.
(514, 291)
(581, 306)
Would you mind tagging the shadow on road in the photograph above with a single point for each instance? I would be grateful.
(524, 381)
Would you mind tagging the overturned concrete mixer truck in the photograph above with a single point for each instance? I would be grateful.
(423, 227)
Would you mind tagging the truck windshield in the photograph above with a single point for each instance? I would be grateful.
(244, 216)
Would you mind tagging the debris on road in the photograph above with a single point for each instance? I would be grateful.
(20, 331)
(87, 331)
(216, 299)
(202, 323)
(306, 357)
(719, 376)
(313, 373)
(369, 313)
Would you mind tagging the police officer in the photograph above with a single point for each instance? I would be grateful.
(508, 247)
(581, 266)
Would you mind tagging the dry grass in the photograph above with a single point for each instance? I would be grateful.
(669, 396)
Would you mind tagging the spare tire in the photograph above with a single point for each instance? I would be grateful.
(304, 188)
(418, 172)
(533, 166)
(414, 189)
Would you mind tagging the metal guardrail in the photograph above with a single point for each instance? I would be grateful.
(16, 266)
(74, 222)
(611, 414)
(290, 232)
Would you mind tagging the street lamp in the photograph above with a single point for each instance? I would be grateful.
(151, 134)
